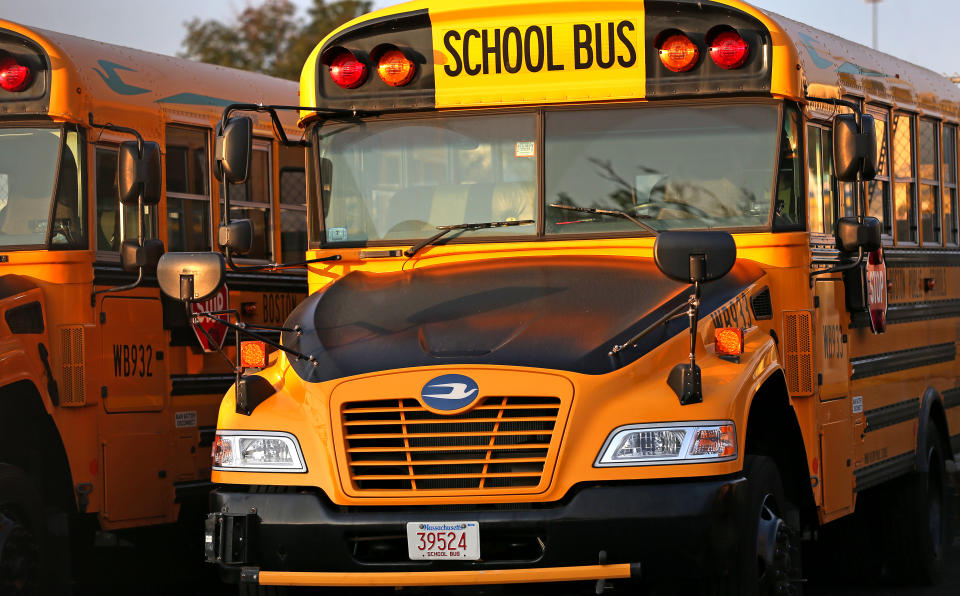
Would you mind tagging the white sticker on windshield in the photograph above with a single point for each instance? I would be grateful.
(526, 149)
(336, 234)
(4, 190)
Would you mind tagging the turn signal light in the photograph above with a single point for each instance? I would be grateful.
(719, 441)
(13, 75)
(347, 70)
(728, 340)
(395, 69)
(678, 53)
(253, 354)
(728, 50)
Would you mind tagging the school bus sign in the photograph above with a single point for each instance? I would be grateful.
(210, 333)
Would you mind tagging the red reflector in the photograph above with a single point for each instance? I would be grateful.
(395, 68)
(728, 340)
(347, 71)
(728, 50)
(13, 75)
(253, 354)
(678, 53)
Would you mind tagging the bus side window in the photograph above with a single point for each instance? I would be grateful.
(821, 196)
(293, 205)
(928, 170)
(108, 214)
(951, 229)
(879, 204)
(188, 189)
(251, 200)
(904, 179)
(788, 213)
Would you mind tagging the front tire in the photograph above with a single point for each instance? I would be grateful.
(20, 522)
(767, 557)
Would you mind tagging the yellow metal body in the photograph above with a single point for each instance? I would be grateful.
(841, 380)
(136, 400)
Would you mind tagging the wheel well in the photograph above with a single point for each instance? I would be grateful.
(939, 418)
(773, 431)
(29, 440)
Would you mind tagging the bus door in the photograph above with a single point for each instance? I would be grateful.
(132, 338)
(831, 344)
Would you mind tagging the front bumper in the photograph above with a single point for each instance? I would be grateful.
(596, 532)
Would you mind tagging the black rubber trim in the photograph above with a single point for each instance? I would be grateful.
(888, 362)
(951, 398)
(955, 443)
(885, 416)
(917, 258)
(200, 384)
(198, 490)
(909, 313)
(888, 469)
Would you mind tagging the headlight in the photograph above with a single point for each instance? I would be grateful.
(675, 442)
(257, 451)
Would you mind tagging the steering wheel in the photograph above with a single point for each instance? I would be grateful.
(409, 225)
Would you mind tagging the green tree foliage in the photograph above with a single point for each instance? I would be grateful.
(268, 37)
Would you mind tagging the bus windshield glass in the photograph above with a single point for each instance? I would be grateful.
(28, 171)
(674, 167)
(687, 167)
(401, 179)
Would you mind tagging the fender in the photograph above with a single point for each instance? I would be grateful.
(931, 407)
(20, 353)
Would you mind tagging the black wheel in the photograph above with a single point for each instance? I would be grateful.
(920, 529)
(20, 522)
(767, 557)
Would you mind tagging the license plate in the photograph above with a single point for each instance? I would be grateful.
(438, 541)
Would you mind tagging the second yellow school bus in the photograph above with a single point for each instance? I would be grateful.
(496, 384)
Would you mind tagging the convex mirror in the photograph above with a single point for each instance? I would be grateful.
(694, 256)
(191, 276)
(853, 235)
(237, 236)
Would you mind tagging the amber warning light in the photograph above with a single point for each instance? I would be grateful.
(678, 53)
(729, 341)
(253, 354)
(13, 75)
(395, 69)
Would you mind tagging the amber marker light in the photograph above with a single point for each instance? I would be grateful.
(678, 53)
(728, 50)
(729, 341)
(395, 69)
(253, 354)
(720, 441)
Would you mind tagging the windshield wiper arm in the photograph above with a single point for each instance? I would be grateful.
(612, 212)
(444, 230)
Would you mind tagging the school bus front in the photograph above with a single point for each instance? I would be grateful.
(495, 383)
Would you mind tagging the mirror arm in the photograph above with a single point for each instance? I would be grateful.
(838, 268)
(121, 129)
(614, 353)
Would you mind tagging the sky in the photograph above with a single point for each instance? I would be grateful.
(919, 31)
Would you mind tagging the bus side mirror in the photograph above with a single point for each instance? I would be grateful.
(134, 256)
(694, 257)
(138, 174)
(191, 276)
(237, 236)
(854, 147)
(234, 146)
(853, 235)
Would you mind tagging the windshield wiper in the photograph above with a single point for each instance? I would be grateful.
(444, 230)
(612, 212)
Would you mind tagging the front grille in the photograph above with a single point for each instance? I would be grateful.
(397, 444)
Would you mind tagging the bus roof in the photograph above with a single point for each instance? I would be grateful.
(800, 60)
(87, 76)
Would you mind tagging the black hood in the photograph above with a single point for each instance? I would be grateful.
(557, 313)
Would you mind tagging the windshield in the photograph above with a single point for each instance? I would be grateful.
(401, 179)
(28, 171)
(689, 167)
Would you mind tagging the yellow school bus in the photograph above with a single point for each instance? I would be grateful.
(627, 291)
(107, 402)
